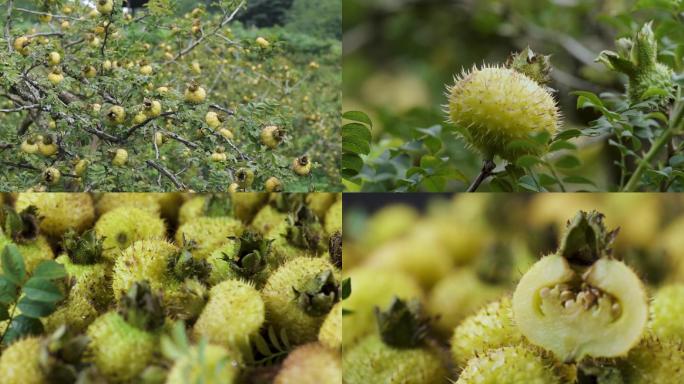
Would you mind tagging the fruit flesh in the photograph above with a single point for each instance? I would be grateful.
(598, 312)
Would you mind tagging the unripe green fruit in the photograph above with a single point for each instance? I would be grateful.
(653, 361)
(373, 288)
(235, 313)
(372, 361)
(330, 334)
(333, 218)
(667, 312)
(75, 312)
(59, 211)
(33, 252)
(509, 365)
(311, 364)
(293, 304)
(19, 363)
(191, 209)
(459, 295)
(270, 222)
(490, 328)
(119, 350)
(211, 365)
(495, 106)
(208, 233)
(145, 201)
(88, 281)
(121, 227)
(388, 223)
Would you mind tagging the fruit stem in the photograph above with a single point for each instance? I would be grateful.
(486, 171)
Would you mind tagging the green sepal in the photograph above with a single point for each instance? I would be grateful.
(535, 66)
(402, 325)
(184, 266)
(61, 355)
(21, 227)
(85, 248)
(304, 229)
(142, 308)
(319, 294)
(586, 239)
(252, 256)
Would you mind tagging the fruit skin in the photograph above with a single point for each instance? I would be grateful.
(54, 58)
(272, 184)
(302, 165)
(653, 361)
(29, 146)
(105, 6)
(330, 334)
(55, 77)
(244, 177)
(490, 328)
(116, 115)
(262, 42)
(146, 201)
(21, 44)
(218, 157)
(509, 365)
(333, 218)
(667, 310)
(311, 364)
(121, 227)
(202, 366)
(373, 288)
(495, 106)
(119, 350)
(51, 175)
(48, 147)
(271, 136)
(195, 94)
(120, 157)
(234, 313)
(212, 119)
(372, 361)
(153, 108)
(208, 233)
(60, 211)
(76, 313)
(458, 295)
(19, 363)
(281, 299)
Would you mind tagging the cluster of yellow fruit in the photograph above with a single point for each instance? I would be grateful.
(516, 304)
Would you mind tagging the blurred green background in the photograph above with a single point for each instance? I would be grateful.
(400, 54)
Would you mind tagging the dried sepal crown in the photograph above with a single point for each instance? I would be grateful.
(142, 308)
(21, 226)
(586, 238)
(403, 324)
(319, 294)
(305, 230)
(83, 248)
(60, 356)
(533, 65)
(252, 256)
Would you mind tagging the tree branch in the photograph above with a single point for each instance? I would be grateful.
(167, 173)
(8, 26)
(486, 171)
(23, 107)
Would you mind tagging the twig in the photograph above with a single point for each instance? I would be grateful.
(178, 138)
(8, 26)
(166, 173)
(104, 41)
(138, 126)
(45, 34)
(47, 14)
(222, 109)
(17, 109)
(486, 171)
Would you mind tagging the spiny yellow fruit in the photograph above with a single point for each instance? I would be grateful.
(496, 106)
(333, 218)
(330, 334)
(234, 313)
(75, 312)
(262, 42)
(51, 175)
(59, 212)
(152, 108)
(55, 77)
(302, 165)
(21, 44)
(653, 361)
(47, 146)
(139, 118)
(271, 136)
(120, 157)
(211, 364)
(299, 294)
(218, 157)
(194, 94)
(272, 184)
(54, 58)
(45, 18)
(667, 310)
(311, 364)
(244, 177)
(116, 115)
(145, 201)
(121, 227)
(509, 365)
(208, 233)
(52, 124)
(20, 364)
(89, 71)
(29, 146)
(212, 119)
(34, 251)
(105, 6)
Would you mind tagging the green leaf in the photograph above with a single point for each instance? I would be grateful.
(428, 161)
(568, 161)
(8, 291)
(578, 180)
(527, 161)
(352, 162)
(262, 346)
(528, 183)
(568, 134)
(676, 160)
(35, 309)
(50, 269)
(13, 264)
(561, 144)
(40, 289)
(356, 138)
(4, 313)
(358, 116)
(22, 326)
(588, 100)
(546, 179)
(346, 288)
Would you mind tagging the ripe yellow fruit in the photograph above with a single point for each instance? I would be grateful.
(163, 90)
(146, 69)
(153, 108)
(55, 77)
(314, 65)
(21, 44)
(52, 124)
(233, 187)
(302, 165)
(158, 138)
(47, 146)
(196, 69)
(80, 167)
(116, 115)
(89, 71)
(29, 146)
(120, 157)
(271, 136)
(195, 94)
(96, 108)
(273, 185)
(65, 24)
(105, 6)
(107, 65)
(51, 175)
(54, 58)
(139, 118)
(46, 18)
(263, 43)
(496, 106)
(225, 132)
(212, 119)
(218, 156)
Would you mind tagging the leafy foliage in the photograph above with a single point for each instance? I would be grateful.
(25, 299)
(120, 60)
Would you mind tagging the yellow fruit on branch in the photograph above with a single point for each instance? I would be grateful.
(273, 185)
(120, 157)
(262, 42)
(29, 146)
(21, 44)
(271, 136)
(195, 94)
(105, 7)
(212, 119)
(152, 107)
(139, 118)
(47, 146)
(225, 132)
(89, 72)
(54, 58)
(51, 175)
(80, 167)
(55, 77)
(302, 165)
(116, 115)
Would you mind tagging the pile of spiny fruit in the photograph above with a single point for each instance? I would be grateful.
(516, 289)
(170, 288)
